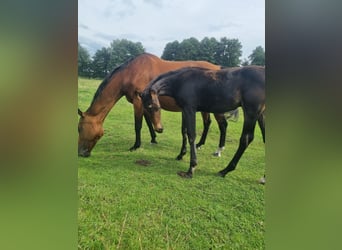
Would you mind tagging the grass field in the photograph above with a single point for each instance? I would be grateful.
(125, 205)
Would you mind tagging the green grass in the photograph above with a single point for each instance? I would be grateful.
(124, 205)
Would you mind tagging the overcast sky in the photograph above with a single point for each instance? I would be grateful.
(155, 23)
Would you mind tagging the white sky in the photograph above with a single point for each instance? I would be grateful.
(155, 23)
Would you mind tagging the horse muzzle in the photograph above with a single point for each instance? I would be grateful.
(159, 130)
(83, 153)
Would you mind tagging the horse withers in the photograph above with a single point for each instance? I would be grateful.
(212, 91)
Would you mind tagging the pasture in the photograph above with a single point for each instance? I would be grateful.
(136, 200)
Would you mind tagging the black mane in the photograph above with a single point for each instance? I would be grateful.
(163, 79)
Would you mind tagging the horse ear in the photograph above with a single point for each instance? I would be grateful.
(80, 113)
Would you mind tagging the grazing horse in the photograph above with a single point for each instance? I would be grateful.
(130, 79)
(214, 91)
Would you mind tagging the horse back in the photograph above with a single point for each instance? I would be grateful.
(215, 91)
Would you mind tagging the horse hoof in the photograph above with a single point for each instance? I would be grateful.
(133, 148)
(154, 142)
(221, 174)
(262, 181)
(179, 157)
(184, 174)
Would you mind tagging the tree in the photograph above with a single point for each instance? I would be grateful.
(100, 65)
(258, 56)
(122, 50)
(84, 62)
(207, 49)
(228, 52)
(245, 62)
(189, 49)
(171, 51)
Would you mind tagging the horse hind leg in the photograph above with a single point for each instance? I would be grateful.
(206, 124)
(261, 122)
(223, 124)
(246, 138)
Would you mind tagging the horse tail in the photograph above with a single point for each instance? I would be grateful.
(232, 115)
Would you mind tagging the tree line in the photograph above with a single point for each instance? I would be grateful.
(225, 52)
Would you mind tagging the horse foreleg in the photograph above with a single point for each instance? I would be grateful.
(206, 124)
(138, 115)
(183, 148)
(246, 138)
(150, 128)
(189, 119)
(223, 124)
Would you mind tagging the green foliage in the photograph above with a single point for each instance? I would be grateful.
(100, 64)
(124, 205)
(207, 49)
(121, 50)
(188, 49)
(171, 51)
(258, 56)
(245, 62)
(84, 62)
(226, 52)
(106, 59)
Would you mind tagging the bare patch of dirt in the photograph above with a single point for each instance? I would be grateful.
(143, 162)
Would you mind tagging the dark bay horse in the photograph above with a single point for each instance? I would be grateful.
(214, 91)
(130, 79)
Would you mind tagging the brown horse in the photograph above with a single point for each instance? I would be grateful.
(130, 79)
(215, 91)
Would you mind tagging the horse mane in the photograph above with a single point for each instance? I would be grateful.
(109, 76)
(177, 71)
(163, 79)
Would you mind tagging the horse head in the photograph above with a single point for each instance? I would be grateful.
(152, 107)
(90, 130)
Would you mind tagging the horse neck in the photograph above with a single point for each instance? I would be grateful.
(104, 102)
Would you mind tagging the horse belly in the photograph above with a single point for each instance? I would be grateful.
(168, 103)
(218, 104)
